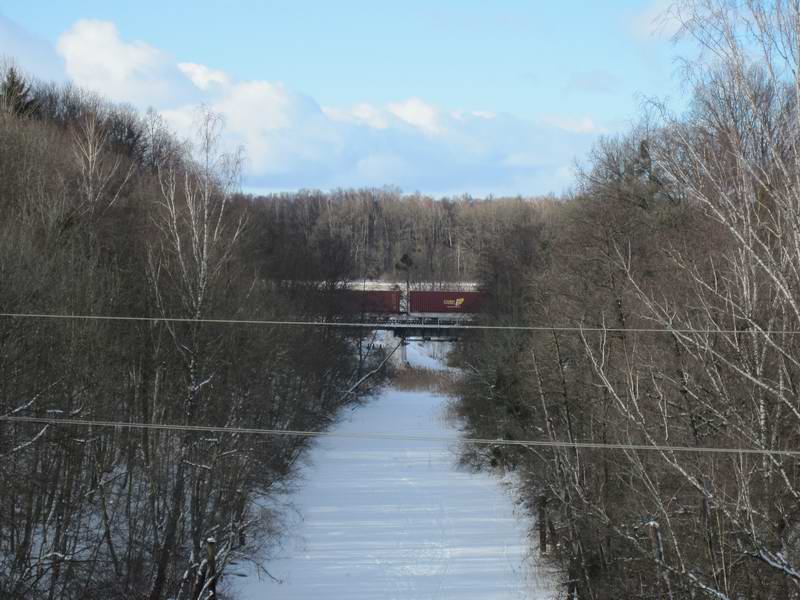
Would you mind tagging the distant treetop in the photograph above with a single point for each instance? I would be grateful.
(15, 94)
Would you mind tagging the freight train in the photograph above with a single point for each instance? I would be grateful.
(418, 303)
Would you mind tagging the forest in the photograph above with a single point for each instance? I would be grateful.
(666, 296)
(661, 300)
(105, 213)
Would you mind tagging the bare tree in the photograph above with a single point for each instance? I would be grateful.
(186, 267)
(97, 165)
(728, 376)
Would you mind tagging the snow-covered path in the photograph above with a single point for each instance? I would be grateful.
(392, 519)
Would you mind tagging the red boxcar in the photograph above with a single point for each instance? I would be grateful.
(445, 302)
(372, 301)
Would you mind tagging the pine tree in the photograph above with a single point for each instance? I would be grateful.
(15, 94)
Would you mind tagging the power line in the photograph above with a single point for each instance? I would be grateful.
(398, 325)
(372, 435)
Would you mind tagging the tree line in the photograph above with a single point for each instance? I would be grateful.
(367, 234)
(674, 267)
(104, 212)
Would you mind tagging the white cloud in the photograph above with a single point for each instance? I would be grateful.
(97, 58)
(364, 113)
(202, 76)
(374, 117)
(180, 120)
(660, 19)
(462, 115)
(260, 106)
(292, 142)
(574, 124)
(417, 113)
(484, 114)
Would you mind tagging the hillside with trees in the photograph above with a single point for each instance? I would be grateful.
(666, 291)
(106, 213)
(661, 301)
(103, 212)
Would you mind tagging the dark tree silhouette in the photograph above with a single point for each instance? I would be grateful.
(16, 95)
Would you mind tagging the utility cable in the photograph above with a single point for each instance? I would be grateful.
(399, 325)
(372, 435)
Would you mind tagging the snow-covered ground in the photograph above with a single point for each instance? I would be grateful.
(426, 355)
(396, 519)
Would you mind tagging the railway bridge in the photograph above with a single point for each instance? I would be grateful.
(436, 327)
(417, 315)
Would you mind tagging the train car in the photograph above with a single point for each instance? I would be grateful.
(445, 302)
(373, 301)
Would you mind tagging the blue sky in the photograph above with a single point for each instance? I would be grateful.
(443, 97)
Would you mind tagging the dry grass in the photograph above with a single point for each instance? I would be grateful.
(414, 379)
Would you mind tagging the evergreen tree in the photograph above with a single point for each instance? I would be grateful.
(15, 94)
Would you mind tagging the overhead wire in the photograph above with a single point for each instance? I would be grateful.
(399, 325)
(382, 435)
(385, 436)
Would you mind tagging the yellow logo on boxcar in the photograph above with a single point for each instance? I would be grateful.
(454, 303)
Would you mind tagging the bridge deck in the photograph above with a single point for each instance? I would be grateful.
(423, 326)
